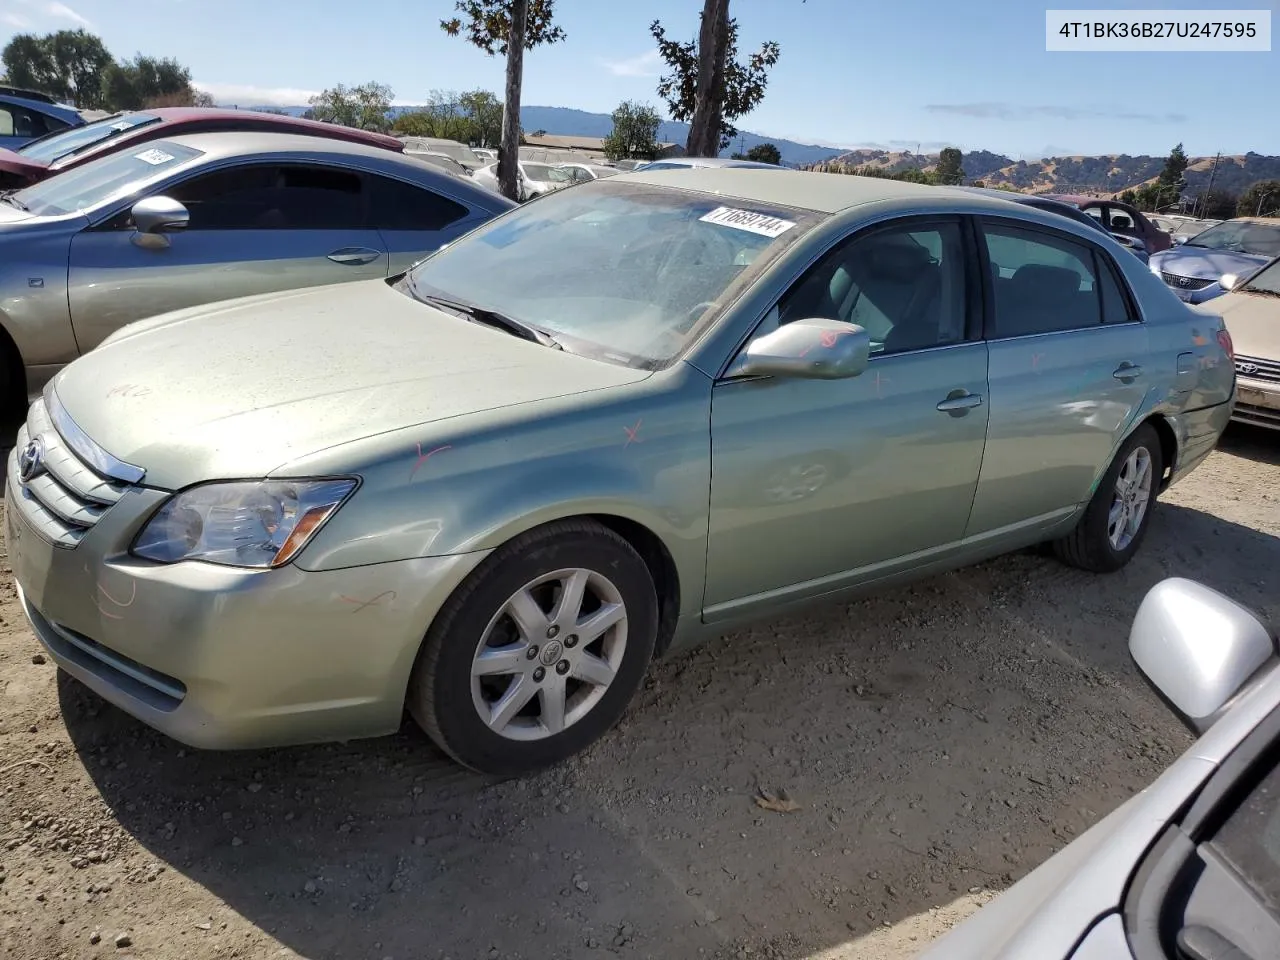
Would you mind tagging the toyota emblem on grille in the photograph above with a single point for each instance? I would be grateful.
(1248, 369)
(1185, 281)
(31, 460)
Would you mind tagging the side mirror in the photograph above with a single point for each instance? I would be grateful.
(1179, 240)
(814, 349)
(1198, 648)
(1229, 281)
(159, 215)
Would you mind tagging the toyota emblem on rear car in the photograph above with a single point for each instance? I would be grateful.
(1248, 369)
(31, 460)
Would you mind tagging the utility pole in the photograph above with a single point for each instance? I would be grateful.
(1258, 212)
(1213, 173)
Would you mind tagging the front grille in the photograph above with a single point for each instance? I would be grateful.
(1258, 416)
(66, 497)
(1184, 283)
(1257, 368)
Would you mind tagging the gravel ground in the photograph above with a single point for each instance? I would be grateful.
(939, 741)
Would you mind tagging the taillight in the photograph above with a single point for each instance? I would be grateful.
(1224, 341)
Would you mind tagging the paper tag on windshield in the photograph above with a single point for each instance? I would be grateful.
(748, 220)
(153, 157)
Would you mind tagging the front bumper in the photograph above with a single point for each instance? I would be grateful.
(218, 657)
(1257, 402)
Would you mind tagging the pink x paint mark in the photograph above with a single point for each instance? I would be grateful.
(119, 603)
(827, 338)
(128, 390)
(424, 457)
(631, 434)
(1035, 360)
(880, 378)
(374, 602)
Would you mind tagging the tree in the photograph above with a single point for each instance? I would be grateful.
(1260, 200)
(145, 81)
(712, 91)
(483, 111)
(506, 28)
(950, 169)
(68, 65)
(364, 106)
(764, 153)
(635, 132)
(1174, 167)
(1217, 205)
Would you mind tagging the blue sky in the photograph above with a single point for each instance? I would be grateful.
(893, 74)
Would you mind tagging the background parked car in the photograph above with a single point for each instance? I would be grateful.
(1190, 867)
(584, 172)
(535, 178)
(459, 152)
(519, 458)
(443, 161)
(1251, 311)
(203, 217)
(68, 149)
(1182, 228)
(1120, 218)
(1194, 269)
(1070, 211)
(23, 118)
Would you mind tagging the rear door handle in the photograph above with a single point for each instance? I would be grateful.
(960, 402)
(354, 256)
(1127, 372)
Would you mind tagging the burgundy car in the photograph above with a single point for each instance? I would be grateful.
(65, 149)
(1120, 218)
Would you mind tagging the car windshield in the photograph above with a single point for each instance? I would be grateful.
(1241, 236)
(1266, 280)
(545, 173)
(98, 181)
(624, 272)
(58, 145)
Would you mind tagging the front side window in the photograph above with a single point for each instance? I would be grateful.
(904, 285)
(270, 197)
(1250, 841)
(51, 148)
(105, 179)
(1240, 236)
(626, 272)
(1041, 282)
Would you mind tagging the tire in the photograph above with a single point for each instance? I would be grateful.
(1090, 546)
(447, 701)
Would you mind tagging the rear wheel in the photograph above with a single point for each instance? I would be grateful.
(1116, 520)
(538, 653)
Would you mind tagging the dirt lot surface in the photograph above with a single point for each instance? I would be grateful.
(940, 742)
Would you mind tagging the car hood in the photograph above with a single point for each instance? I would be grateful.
(13, 162)
(1206, 264)
(1253, 320)
(239, 388)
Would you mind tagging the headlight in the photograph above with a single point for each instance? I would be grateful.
(256, 524)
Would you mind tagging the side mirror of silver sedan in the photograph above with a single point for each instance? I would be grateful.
(1198, 648)
(159, 215)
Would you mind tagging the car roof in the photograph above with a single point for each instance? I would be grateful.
(66, 114)
(300, 124)
(1075, 199)
(808, 190)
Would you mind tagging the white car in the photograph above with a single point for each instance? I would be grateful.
(582, 172)
(441, 160)
(535, 178)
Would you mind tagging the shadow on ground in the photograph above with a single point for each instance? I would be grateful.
(940, 739)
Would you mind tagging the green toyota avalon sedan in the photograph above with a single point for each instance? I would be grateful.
(590, 432)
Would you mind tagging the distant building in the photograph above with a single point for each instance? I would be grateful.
(552, 147)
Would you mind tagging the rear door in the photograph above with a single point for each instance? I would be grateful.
(255, 228)
(1067, 350)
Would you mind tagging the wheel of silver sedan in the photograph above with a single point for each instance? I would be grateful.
(537, 653)
(549, 654)
(1130, 500)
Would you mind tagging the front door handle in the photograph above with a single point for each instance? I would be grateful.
(355, 256)
(1128, 372)
(958, 402)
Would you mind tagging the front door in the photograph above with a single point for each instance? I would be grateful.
(254, 229)
(1066, 378)
(819, 483)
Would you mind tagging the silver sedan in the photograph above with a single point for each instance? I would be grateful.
(203, 217)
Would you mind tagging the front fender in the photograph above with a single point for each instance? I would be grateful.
(641, 453)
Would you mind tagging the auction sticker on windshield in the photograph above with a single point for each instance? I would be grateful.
(153, 157)
(748, 220)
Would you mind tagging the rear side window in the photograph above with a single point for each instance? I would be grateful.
(1041, 282)
(401, 206)
(304, 197)
(1115, 305)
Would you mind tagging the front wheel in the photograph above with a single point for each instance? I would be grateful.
(1117, 517)
(538, 653)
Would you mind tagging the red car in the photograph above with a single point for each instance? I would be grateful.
(1120, 218)
(65, 149)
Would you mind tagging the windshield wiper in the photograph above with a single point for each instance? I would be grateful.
(493, 318)
(9, 198)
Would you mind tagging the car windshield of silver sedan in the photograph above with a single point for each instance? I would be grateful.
(1266, 281)
(116, 174)
(547, 174)
(623, 272)
(64, 144)
(1240, 236)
